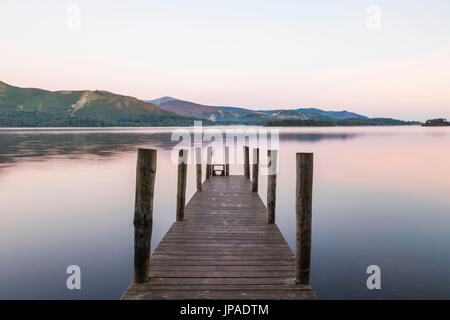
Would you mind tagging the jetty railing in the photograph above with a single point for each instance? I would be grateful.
(145, 186)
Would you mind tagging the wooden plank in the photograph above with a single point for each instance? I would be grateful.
(223, 239)
(223, 281)
(220, 295)
(186, 262)
(272, 258)
(176, 269)
(222, 274)
(246, 241)
(212, 252)
(228, 287)
(223, 236)
(224, 249)
(248, 250)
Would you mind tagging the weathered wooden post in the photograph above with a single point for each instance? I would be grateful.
(208, 162)
(181, 189)
(255, 170)
(143, 213)
(227, 161)
(271, 185)
(303, 213)
(246, 162)
(198, 161)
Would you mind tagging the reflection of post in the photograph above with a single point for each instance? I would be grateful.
(271, 185)
(227, 161)
(143, 213)
(303, 214)
(181, 190)
(255, 170)
(246, 162)
(208, 162)
(198, 161)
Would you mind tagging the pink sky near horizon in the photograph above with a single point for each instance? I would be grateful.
(256, 55)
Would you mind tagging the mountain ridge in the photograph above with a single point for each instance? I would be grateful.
(238, 114)
(34, 107)
(19, 106)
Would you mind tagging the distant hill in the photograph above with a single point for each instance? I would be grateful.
(314, 113)
(190, 109)
(340, 122)
(161, 100)
(37, 107)
(195, 110)
(242, 115)
(31, 107)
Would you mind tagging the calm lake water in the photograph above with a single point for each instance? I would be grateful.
(381, 197)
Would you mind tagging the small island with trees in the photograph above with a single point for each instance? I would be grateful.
(436, 123)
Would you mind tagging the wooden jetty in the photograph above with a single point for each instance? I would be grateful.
(222, 246)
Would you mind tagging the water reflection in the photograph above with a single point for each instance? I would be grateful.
(380, 197)
(44, 145)
(40, 145)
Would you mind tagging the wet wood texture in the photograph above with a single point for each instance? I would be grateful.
(223, 250)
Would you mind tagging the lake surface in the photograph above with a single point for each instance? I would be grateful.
(381, 197)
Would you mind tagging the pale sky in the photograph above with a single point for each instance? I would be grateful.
(255, 54)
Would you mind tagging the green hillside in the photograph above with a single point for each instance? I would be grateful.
(21, 107)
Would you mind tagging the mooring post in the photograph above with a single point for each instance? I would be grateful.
(246, 162)
(208, 162)
(143, 213)
(227, 161)
(303, 214)
(255, 170)
(271, 184)
(198, 161)
(181, 190)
